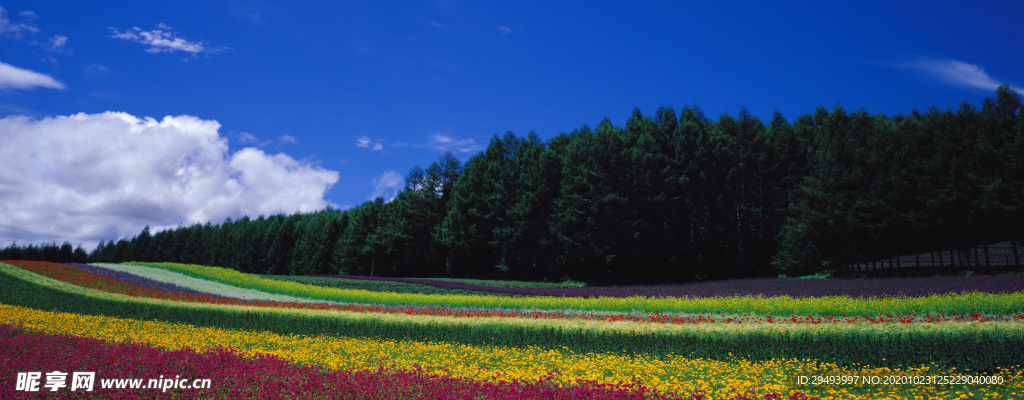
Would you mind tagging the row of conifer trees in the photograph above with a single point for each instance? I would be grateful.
(668, 197)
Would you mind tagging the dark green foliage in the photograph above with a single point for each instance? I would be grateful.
(45, 252)
(672, 197)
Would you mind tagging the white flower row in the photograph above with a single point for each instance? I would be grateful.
(202, 285)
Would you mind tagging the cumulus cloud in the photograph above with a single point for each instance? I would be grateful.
(12, 77)
(92, 177)
(956, 73)
(387, 185)
(161, 40)
(448, 143)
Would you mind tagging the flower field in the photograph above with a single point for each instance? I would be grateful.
(770, 287)
(281, 339)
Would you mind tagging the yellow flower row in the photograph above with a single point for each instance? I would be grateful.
(669, 373)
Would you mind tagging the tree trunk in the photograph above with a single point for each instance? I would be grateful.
(1016, 253)
(899, 264)
(988, 262)
(977, 257)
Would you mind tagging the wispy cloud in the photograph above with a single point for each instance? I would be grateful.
(25, 31)
(432, 23)
(246, 137)
(366, 143)
(504, 30)
(12, 77)
(8, 27)
(163, 39)
(955, 73)
(387, 185)
(447, 143)
(58, 43)
(96, 70)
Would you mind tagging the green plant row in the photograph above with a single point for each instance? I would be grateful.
(979, 347)
(969, 303)
(375, 285)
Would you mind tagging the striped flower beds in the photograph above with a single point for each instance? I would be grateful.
(798, 288)
(615, 352)
(949, 304)
(108, 278)
(685, 378)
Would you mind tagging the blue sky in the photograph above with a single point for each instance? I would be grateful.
(293, 107)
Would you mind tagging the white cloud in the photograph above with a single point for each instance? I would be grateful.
(366, 143)
(448, 143)
(956, 73)
(246, 137)
(91, 177)
(161, 40)
(12, 77)
(58, 42)
(363, 142)
(9, 27)
(504, 30)
(289, 139)
(387, 185)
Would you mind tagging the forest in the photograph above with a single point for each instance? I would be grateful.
(669, 197)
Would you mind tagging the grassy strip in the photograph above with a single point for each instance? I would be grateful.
(971, 346)
(969, 303)
(375, 285)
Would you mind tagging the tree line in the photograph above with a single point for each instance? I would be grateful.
(670, 197)
(45, 252)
